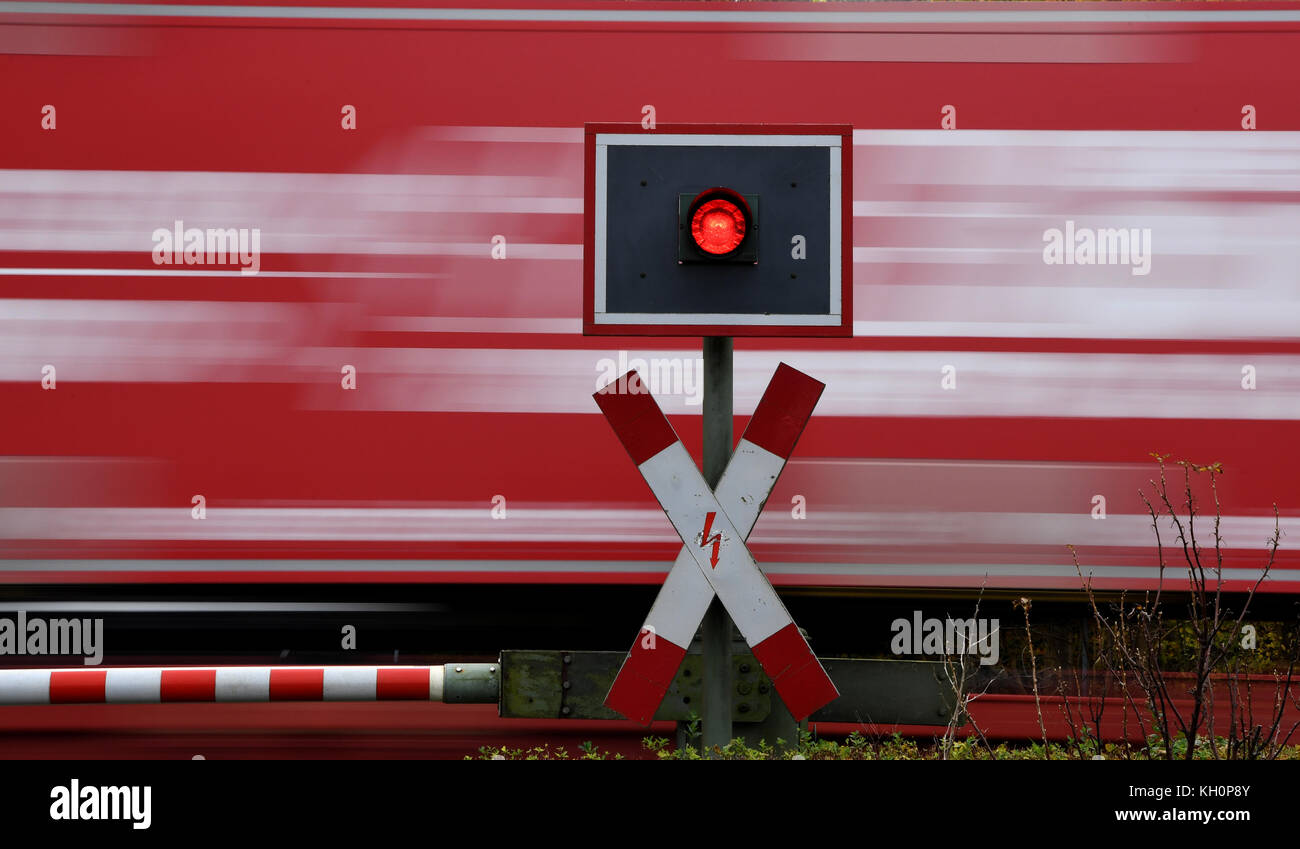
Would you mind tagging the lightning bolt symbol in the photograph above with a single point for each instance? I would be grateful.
(716, 539)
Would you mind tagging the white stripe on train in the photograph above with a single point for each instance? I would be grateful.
(653, 569)
(934, 529)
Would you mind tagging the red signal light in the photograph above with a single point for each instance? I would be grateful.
(719, 221)
(718, 226)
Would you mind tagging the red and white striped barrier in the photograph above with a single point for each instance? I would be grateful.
(714, 559)
(138, 685)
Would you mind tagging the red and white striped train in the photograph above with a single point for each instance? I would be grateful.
(407, 180)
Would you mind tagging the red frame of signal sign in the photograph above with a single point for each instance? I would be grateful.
(844, 328)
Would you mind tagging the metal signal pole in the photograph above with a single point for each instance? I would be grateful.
(715, 632)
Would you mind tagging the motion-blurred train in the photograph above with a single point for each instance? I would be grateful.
(368, 366)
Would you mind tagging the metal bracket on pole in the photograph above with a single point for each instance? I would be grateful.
(573, 684)
(471, 683)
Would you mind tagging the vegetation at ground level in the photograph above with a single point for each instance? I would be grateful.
(857, 747)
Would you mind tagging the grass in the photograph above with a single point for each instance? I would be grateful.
(857, 747)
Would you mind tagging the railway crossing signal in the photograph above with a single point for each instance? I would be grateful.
(713, 526)
(718, 230)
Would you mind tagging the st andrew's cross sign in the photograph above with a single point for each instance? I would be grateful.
(713, 526)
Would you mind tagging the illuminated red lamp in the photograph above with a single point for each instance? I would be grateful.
(718, 226)
(719, 219)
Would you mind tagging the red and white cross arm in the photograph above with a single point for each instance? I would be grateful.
(714, 545)
(140, 685)
(743, 489)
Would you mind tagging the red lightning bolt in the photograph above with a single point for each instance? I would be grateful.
(716, 539)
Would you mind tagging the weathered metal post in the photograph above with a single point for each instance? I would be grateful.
(715, 632)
